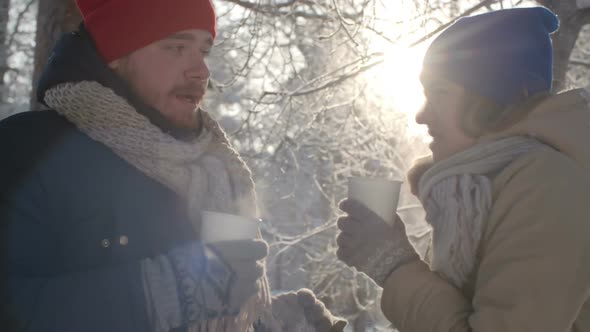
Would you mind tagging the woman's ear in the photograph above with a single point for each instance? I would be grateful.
(478, 115)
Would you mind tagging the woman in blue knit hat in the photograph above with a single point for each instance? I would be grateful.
(505, 190)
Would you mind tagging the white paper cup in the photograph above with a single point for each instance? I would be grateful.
(216, 227)
(379, 195)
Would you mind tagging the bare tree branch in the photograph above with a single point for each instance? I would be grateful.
(359, 66)
(580, 63)
(446, 25)
(287, 9)
(19, 19)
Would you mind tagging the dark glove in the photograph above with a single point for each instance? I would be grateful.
(218, 281)
(302, 311)
(370, 244)
(317, 314)
(240, 263)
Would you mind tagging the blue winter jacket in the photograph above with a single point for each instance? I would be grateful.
(77, 219)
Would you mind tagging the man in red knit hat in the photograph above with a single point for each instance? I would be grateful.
(101, 195)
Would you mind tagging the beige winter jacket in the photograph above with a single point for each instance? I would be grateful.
(533, 270)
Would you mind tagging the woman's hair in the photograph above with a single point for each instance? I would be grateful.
(481, 115)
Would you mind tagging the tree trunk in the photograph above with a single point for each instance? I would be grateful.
(54, 18)
(572, 20)
(4, 10)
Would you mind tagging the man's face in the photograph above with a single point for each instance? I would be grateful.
(170, 75)
(442, 114)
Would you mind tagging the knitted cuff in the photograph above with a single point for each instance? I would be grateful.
(386, 259)
(203, 283)
(185, 287)
(162, 302)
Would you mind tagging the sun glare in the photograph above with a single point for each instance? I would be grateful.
(401, 72)
(398, 84)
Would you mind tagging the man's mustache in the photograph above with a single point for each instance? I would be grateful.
(190, 89)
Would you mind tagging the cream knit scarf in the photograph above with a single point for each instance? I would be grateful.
(205, 171)
(457, 196)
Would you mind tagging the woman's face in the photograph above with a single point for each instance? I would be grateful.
(442, 114)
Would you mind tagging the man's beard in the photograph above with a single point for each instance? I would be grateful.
(194, 90)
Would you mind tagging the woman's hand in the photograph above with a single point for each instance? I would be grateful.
(370, 244)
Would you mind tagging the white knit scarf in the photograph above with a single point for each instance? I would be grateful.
(457, 196)
(205, 171)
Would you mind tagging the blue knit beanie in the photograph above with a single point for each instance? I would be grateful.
(499, 55)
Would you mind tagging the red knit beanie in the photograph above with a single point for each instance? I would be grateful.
(120, 27)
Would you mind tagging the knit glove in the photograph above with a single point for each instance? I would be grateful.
(193, 282)
(301, 311)
(370, 244)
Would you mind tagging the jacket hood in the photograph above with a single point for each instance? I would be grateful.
(562, 122)
(75, 59)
